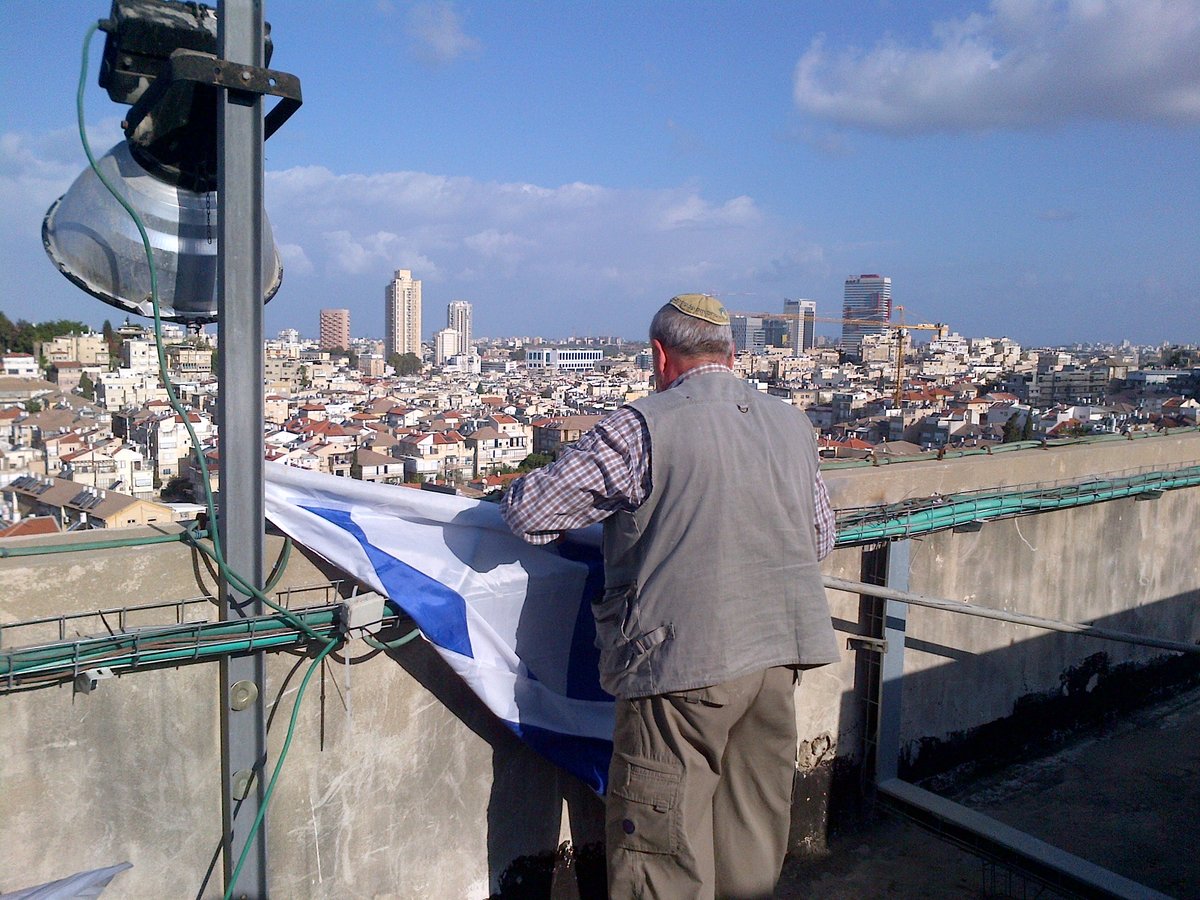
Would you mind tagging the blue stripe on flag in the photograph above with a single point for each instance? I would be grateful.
(585, 758)
(439, 612)
(583, 682)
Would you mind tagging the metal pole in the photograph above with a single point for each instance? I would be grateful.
(239, 309)
(895, 613)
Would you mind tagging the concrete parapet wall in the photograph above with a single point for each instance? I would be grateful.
(1129, 565)
(400, 784)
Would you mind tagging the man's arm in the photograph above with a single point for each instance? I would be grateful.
(823, 518)
(605, 471)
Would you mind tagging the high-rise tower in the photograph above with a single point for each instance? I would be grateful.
(402, 325)
(335, 329)
(458, 317)
(802, 330)
(866, 297)
(749, 335)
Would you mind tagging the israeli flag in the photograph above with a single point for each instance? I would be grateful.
(512, 619)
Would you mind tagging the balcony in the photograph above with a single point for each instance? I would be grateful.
(398, 781)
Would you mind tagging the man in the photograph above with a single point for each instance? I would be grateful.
(715, 519)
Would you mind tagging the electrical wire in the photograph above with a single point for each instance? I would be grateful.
(218, 556)
(111, 544)
(392, 645)
(216, 553)
(287, 742)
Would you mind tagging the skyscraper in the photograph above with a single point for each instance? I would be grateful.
(458, 317)
(803, 328)
(866, 297)
(749, 335)
(402, 324)
(335, 329)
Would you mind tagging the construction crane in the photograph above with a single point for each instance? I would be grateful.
(900, 329)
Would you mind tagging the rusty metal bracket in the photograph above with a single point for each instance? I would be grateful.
(210, 71)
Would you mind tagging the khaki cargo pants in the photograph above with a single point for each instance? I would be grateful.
(699, 792)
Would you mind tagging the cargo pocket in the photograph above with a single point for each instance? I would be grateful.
(642, 810)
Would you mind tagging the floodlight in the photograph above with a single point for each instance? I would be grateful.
(160, 56)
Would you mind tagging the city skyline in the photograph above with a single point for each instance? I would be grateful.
(1019, 170)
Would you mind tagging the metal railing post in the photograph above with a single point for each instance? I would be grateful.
(895, 615)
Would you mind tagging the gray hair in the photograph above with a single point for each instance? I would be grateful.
(689, 336)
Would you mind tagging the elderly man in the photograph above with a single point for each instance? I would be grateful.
(715, 519)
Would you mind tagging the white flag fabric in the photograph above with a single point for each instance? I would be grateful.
(512, 619)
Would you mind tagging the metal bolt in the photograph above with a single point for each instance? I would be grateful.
(242, 694)
(241, 784)
(245, 76)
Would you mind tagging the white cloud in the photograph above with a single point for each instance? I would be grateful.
(355, 255)
(1022, 64)
(37, 169)
(436, 29)
(539, 252)
(694, 211)
(295, 260)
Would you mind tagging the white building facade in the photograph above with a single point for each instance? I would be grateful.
(402, 325)
(562, 358)
(458, 317)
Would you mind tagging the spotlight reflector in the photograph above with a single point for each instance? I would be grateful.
(94, 242)
(160, 56)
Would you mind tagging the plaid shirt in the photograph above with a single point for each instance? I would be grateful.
(607, 471)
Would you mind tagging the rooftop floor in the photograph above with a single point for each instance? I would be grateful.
(1126, 797)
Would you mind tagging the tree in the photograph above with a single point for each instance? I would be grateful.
(405, 363)
(87, 387)
(33, 406)
(25, 337)
(179, 490)
(1012, 429)
(1027, 428)
(112, 339)
(534, 461)
(8, 332)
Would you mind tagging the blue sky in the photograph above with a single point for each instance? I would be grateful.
(1021, 168)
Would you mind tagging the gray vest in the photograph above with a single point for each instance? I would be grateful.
(715, 575)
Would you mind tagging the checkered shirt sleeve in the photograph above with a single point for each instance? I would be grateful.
(605, 471)
(823, 518)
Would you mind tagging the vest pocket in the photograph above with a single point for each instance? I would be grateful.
(611, 612)
(642, 810)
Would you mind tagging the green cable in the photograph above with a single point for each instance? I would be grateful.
(280, 565)
(287, 742)
(216, 554)
(114, 543)
(168, 386)
(909, 522)
(392, 645)
(27, 661)
(240, 583)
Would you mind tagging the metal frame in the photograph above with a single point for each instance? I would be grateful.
(240, 318)
(975, 831)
